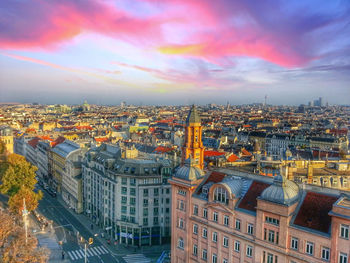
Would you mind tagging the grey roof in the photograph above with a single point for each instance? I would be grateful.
(234, 184)
(282, 191)
(65, 148)
(189, 172)
(193, 116)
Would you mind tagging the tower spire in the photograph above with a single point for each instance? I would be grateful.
(193, 146)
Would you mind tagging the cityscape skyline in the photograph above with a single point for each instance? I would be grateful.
(174, 52)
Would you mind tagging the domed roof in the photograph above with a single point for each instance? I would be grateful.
(282, 191)
(235, 185)
(189, 172)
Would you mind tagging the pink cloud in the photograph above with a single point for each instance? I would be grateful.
(32, 24)
(205, 29)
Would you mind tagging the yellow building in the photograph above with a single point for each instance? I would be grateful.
(6, 135)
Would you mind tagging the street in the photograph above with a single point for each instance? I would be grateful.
(69, 232)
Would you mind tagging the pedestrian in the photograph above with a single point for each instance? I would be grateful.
(62, 255)
(92, 226)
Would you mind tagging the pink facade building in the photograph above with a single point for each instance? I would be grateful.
(221, 218)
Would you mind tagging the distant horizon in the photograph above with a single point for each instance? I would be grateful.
(163, 105)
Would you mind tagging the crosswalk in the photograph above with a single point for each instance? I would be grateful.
(90, 252)
(136, 258)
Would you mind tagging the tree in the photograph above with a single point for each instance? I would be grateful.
(18, 182)
(2, 147)
(16, 201)
(13, 245)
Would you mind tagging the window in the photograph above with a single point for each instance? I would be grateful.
(195, 250)
(205, 213)
(132, 200)
(145, 221)
(145, 202)
(343, 258)
(124, 181)
(124, 190)
(271, 237)
(195, 229)
(204, 254)
(250, 229)
(224, 260)
(294, 243)
(180, 243)
(155, 191)
(309, 248)
(181, 223)
(145, 211)
(238, 224)
(124, 199)
(132, 181)
(214, 258)
(220, 195)
(145, 192)
(215, 216)
(181, 205)
(225, 242)
(271, 220)
(226, 220)
(344, 231)
(132, 210)
(181, 192)
(133, 191)
(237, 246)
(249, 251)
(195, 210)
(215, 237)
(269, 258)
(205, 233)
(325, 253)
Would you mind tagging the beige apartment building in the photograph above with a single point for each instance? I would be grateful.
(222, 218)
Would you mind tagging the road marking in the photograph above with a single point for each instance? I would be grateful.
(95, 251)
(104, 249)
(100, 251)
(80, 253)
(89, 253)
(71, 255)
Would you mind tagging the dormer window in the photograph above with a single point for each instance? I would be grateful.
(133, 170)
(205, 190)
(154, 170)
(146, 170)
(126, 169)
(220, 195)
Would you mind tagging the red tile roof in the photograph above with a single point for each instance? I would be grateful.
(103, 139)
(245, 152)
(232, 158)
(249, 202)
(162, 149)
(213, 153)
(314, 210)
(34, 142)
(214, 177)
(56, 142)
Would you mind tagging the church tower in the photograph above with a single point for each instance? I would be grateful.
(193, 146)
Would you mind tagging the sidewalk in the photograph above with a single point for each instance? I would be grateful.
(48, 239)
(119, 249)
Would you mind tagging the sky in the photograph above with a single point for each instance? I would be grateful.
(174, 52)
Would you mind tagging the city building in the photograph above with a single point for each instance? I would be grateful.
(6, 135)
(127, 193)
(58, 161)
(219, 217)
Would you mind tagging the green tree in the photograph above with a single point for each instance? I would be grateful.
(19, 181)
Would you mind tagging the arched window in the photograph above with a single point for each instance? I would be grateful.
(180, 243)
(221, 195)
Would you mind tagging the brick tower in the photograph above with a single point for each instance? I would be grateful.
(193, 146)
